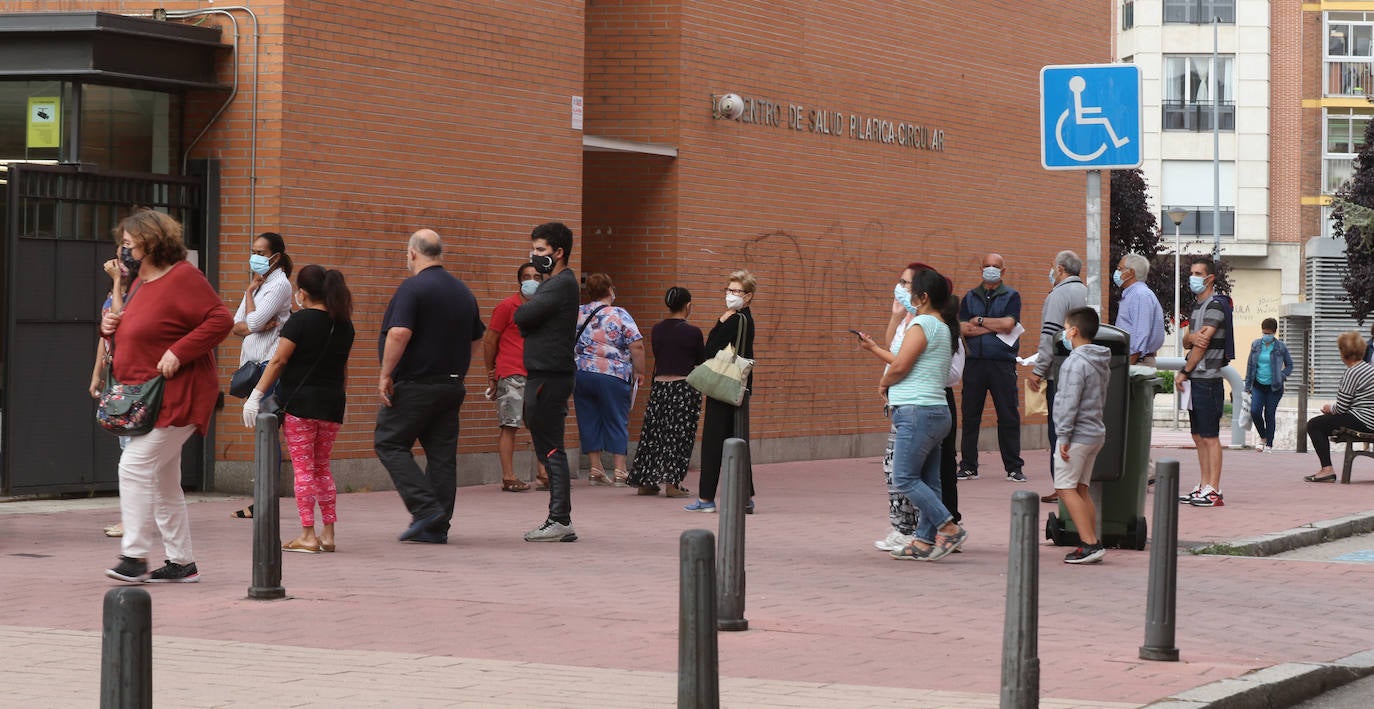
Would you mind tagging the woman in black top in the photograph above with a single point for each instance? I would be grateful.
(670, 420)
(723, 420)
(312, 362)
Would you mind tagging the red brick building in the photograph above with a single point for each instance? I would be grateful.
(875, 134)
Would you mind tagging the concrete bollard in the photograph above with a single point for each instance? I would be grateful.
(1162, 601)
(730, 558)
(1020, 661)
(698, 659)
(266, 515)
(126, 656)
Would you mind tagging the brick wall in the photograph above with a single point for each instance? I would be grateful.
(1287, 66)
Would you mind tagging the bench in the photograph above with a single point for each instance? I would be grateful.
(1350, 437)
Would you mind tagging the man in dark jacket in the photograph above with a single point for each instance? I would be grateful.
(991, 310)
(548, 322)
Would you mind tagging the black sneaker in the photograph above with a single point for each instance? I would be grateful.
(429, 537)
(966, 474)
(175, 573)
(130, 570)
(1016, 476)
(1086, 555)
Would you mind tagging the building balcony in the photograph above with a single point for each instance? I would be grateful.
(1199, 12)
(1197, 115)
(1198, 223)
(1335, 171)
(1350, 78)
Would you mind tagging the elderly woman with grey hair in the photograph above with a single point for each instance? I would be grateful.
(1139, 313)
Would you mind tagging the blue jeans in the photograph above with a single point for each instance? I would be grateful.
(602, 402)
(916, 463)
(1264, 401)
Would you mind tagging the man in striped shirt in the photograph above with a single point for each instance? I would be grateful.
(1354, 407)
(1208, 345)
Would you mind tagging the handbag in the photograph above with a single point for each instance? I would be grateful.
(725, 377)
(245, 379)
(129, 409)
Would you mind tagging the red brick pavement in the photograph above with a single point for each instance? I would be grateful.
(823, 605)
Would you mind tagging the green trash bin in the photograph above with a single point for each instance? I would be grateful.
(1122, 476)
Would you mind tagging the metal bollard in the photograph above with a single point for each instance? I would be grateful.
(1020, 661)
(126, 656)
(730, 560)
(1162, 600)
(266, 515)
(698, 659)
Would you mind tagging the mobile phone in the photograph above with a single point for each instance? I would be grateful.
(857, 334)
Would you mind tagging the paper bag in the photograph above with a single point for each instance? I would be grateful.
(1035, 399)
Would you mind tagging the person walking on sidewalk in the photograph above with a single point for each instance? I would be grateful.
(170, 326)
(1139, 312)
(670, 419)
(1211, 346)
(503, 352)
(989, 311)
(1067, 293)
(1265, 371)
(122, 270)
(548, 322)
(610, 367)
(430, 331)
(311, 362)
(914, 380)
(1354, 407)
(723, 421)
(1081, 431)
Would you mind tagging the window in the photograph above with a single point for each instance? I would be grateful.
(1344, 130)
(1199, 12)
(1187, 184)
(1349, 53)
(1188, 93)
(1127, 15)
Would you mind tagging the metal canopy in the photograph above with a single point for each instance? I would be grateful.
(598, 144)
(106, 48)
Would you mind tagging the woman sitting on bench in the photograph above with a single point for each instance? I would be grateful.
(1354, 407)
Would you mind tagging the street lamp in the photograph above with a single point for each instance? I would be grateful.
(1177, 216)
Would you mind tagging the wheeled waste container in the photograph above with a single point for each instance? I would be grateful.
(1124, 461)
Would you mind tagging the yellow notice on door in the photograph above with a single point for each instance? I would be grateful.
(45, 122)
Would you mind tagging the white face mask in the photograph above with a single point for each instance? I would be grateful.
(734, 302)
(528, 287)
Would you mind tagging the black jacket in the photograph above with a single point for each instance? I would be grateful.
(548, 322)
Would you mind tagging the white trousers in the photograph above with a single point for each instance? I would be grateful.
(150, 499)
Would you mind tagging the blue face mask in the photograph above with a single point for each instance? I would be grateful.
(1268, 339)
(903, 296)
(1197, 284)
(1116, 277)
(992, 274)
(260, 264)
(528, 287)
(1067, 342)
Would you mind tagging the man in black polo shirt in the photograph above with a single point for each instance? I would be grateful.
(429, 333)
(548, 322)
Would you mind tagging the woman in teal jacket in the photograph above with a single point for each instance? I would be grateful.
(1269, 365)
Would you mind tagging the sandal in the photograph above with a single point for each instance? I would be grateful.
(245, 513)
(622, 478)
(296, 545)
(114, 530)
(597, 476)
(647, 490)
(1320, 478)
(946, 544)
(911, 552)
(514, 486)
(676, 491)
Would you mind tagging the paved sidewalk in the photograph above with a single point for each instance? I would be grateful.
(491, 620)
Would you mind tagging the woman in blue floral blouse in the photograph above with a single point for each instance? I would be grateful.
(610, 367)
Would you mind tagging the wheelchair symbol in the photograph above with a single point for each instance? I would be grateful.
(1085, 116)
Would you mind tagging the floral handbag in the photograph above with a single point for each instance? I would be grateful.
(129, 409)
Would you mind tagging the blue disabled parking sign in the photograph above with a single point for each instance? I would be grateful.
(1090, 117)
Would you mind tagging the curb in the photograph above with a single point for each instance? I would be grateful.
(1307, 535)
(1273, 687)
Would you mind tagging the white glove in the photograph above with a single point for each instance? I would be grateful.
(250, 409)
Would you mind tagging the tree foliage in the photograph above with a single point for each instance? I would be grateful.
(1353, 219)
(1134, 229)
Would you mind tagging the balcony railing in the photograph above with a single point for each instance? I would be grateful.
(1350, 78)
(1199, 221)
(1335, 171)
(1197, 115)
(1199, 12)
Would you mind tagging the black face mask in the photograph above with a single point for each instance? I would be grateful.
(126, 257)
(542, 264)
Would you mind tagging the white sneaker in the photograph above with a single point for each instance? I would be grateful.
(1259, 448)
(893, 541)
(1188, 497)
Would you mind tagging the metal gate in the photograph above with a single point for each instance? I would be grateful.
(58, 221)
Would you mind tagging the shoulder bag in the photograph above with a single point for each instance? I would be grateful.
(583, 327)
(281, 403)
(128, 409)
(245, 379)
(725, 377)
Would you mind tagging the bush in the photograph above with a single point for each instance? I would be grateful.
(1168, 386)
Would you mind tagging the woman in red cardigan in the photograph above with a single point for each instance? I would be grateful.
(170, 325)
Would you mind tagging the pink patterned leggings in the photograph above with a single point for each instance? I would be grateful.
(310, 442)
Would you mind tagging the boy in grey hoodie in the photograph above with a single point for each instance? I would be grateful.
(1078, 403)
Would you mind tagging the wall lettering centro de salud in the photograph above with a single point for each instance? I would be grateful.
(835, 123)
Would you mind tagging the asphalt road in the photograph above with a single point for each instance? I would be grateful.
(1356, 695)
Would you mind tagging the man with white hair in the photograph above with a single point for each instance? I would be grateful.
(1139, 313)
(1067, 293)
